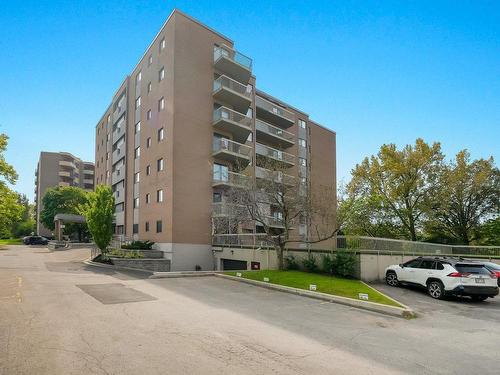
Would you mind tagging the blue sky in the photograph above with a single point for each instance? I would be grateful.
(374, 71)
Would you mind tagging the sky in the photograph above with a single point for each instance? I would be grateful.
(375, 72)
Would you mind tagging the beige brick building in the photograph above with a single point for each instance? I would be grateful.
(59, 169)
(187, 123)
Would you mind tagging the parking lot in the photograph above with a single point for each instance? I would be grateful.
(60, 316)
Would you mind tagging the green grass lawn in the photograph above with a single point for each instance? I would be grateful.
(11, 241)
(324, 283)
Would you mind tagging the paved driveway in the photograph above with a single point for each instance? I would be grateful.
(58, 316)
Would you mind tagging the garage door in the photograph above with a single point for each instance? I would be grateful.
(233, 265)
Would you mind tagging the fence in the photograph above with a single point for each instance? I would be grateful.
(413, 247)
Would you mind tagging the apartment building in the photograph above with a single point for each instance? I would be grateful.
(185, 125)
(59, 169)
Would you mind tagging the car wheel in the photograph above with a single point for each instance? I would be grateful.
(391, 279)
(479, 298)
(435, 289)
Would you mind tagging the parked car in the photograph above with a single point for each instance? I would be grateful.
(35, 240)
(444, 276)
(495, 268)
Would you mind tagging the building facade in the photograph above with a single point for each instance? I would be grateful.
(59, 169)
(186, 124)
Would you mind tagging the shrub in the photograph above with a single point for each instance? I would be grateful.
(116, 253)
(133, 255)
(345, 262)
(309, 263)
(139, 245)
(328, 263)
(291, 263)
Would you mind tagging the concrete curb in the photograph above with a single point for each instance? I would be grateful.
(89, 262)
(174, 274)
(386, 296)
(406, 312)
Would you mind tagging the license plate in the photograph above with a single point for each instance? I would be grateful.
(479, 281)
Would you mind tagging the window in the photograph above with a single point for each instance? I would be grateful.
(302, 162)
(138, 78)
(107, 155)
(160, 134)
(137, 152)
(159, 195)
(149, 115)
(427, 264)
(412, 263)
(302, 142)
(146, 226)
(137, 177)
(302, 124)
(109, 118)
(221, 172)
(161, 74)
(217, 198)
(148, 142)
(158, 226)
(137, 127)
(161, 104)
(162, 44)
(150, 59)
(137, 102)
(136, 202)
(150, 87)
(159, 164)
(148, 170)
(135, 228)
(148, 198)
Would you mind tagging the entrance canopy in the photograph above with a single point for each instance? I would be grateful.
(60, 219)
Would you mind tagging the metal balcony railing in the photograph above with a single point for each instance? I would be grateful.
(273, 108)
(242, 240)
(231, 178)
(224, 82)
(224, 144)
(274, 130)
(226, 114)
(274, 153)
(237, 57)
(276, 176)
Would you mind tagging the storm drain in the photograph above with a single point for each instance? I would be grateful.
(109, 294)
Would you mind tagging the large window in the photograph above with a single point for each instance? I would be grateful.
(221, 172)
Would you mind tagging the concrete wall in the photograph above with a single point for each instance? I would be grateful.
(185, 257)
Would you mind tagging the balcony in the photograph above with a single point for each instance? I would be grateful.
(64, 174)
(233, 63)
(268, 154)
(231, 179)
(273, 113)
(274, 176)
(88, 181)
(225, 149)
(66, 163)
(222, 209)
(239, 125)
(88, 171)
(63, 184)
(228, 91)
(270, 133)
(274, 222)
(242, 240)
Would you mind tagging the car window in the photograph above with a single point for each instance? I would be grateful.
(472, 268)
(439, 266)
(427, 264)
(493, 266)
(412, 263)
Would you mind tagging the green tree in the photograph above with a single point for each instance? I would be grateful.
(402, 181)
(99, 212)
(10, 209)
(490, 232)
(63, 200)
(468, 193)
(26, 224)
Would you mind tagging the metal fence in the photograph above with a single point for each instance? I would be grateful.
(413, 247)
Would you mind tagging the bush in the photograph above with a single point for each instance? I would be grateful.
(139, 245)
(309, 264)
(328, 263)
(345, 263)
(133, 255)
(291, 263)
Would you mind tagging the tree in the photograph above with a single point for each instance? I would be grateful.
(281, 206)
(468, 193)
(402, 181)
(26, 224)
(63, 200)
(10, 209)
(99, 213)
(490, 232)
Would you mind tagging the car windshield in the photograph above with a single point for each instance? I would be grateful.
(472, 268)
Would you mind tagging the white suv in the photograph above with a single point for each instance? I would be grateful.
(445, 276)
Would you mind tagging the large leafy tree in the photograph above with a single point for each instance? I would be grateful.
(63, 200)
(26, 225)
(10, 209)
(401, 181)
(490, 232)
(468, 193)
(99, 213)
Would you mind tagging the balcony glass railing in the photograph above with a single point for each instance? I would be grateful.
(273, 130)
(274, 153)
(276, 176)
(227, 52)
(273, 108)
(230, 178)
(224, 144)
(231, 84)
(224, 113)
(229, 209)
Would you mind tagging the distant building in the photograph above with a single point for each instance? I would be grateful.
(187, 124)
(59, 169)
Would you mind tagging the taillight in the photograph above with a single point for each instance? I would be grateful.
(495, 275)
(458, 274)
